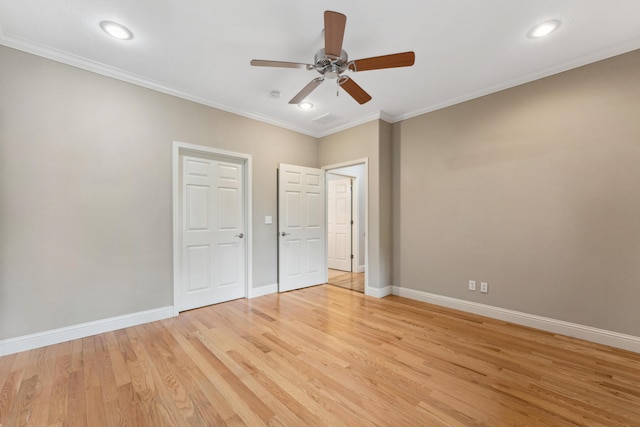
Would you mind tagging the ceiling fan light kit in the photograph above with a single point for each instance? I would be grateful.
(332, 61)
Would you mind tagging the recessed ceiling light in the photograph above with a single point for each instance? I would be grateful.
(305, 105)
(544, 29)
(116, 30)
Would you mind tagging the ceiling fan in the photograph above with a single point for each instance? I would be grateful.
(332, 61)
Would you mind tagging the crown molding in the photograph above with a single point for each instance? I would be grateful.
(360, 121)
(600, 55)
(116, 73)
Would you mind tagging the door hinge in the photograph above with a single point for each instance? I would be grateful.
(351, 256)
(351, 222)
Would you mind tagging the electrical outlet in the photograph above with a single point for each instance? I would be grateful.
(484, 287)
(472, 285)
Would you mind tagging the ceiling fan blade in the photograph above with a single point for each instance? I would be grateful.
(404, 59)
(281, 64)
(334, 24)
(306, 90)
(354, 90)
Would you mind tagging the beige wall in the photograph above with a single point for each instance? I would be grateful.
(536, 190)
(85, 191)
(360, 142)
(384, 207)
(396, 205)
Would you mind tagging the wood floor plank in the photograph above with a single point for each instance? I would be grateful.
(249, 356)
(234, 391)
(6, 363)
(9, 394)
(147, 383)
(322, 356)
(181, 374)
(116, 357)
(202, 382)
(76, 400)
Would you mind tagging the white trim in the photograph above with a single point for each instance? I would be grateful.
(138, 80)
(378, 115)
(363, 161)
(82, 330)
(380, 292)
(600, 336)
(263, 290)
(360, 269)
(116, 73)
(179, 147)
(591, 58)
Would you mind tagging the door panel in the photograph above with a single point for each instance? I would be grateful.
(293, 266)
(229, 218)
(313, 210)
(301, 217)
(292, 209)
(213, 223)
(228, 256)
(314, 256)
(339, 224)
(197, 207)
(198, 267)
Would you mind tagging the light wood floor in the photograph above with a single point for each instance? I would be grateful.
(347, 280)
(322, 356)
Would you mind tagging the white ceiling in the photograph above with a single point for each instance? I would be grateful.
(200, 49)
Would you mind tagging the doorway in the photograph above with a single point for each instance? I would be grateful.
(212, 243)
(347, 224)
(340, 222)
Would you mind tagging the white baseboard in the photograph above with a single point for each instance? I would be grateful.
(378, 292)
(55, 336)
(263, 290)
(588, 333)
(359, 269)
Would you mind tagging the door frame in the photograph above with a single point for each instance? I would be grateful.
(365, 162)
(178, 149)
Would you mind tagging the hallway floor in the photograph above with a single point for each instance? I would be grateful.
(347, 280)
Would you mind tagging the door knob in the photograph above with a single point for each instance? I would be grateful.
(284, 234)
(241, 235)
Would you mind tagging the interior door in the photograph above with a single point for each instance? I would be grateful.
(339, 224)
(301, 227)
(213, 248)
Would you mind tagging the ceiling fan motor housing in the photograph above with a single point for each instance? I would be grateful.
(331, 66)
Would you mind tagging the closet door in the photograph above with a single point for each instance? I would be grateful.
(301, 226)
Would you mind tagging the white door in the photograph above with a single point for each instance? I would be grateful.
(213, 248)
(301, 226)
(339, 224)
